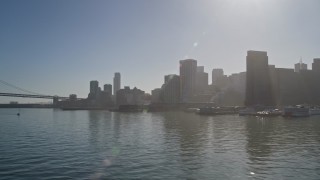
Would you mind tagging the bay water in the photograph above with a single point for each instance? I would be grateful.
(56, 144)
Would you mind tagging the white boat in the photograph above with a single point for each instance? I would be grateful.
(265, 112)
(297, 111)
(269, 112)
(314, 111)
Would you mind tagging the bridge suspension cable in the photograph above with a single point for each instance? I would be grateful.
(19, 88)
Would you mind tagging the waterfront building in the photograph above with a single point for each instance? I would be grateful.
(300, 66)
(268, 85)
(72, 97)
(116, 82)
(237, 82)
(258, 84)
(155, 95)
(94, 86)
(129, 96)
(108, 88)
(188, 69)
(170, 90)
(287, 87)
(216, 74)
(201, 80)
(316, 65)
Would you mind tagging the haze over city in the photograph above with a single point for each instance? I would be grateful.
(57, 47)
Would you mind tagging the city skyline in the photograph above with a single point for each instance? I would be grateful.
(57, 47)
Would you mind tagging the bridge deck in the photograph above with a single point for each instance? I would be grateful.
(33, 96)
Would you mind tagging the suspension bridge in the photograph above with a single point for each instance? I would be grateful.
(29, 94)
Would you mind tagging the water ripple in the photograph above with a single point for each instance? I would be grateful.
(53, 144)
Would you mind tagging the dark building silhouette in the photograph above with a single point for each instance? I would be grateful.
(316, 65)
(155, 95)
(72, 97)
(129, 96)
(170, 90)
(310, 82)
(98, 98)
(258, 83)
(188, 69)
(287, 85)
(94, 86)
(300, 67)
(268, 85)
(107, 88)
(201, 80)
(216, 74)
(116, 82)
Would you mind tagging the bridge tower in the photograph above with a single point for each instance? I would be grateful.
(55, 101)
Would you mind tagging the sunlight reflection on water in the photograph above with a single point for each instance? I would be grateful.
(46, 143)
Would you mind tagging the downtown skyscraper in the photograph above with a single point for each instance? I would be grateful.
(188, 70)
(258, 84)
(116, 83)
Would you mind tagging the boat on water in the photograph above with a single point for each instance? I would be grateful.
(269, 113)
(255, 112)
(314, 111)
(296, 111)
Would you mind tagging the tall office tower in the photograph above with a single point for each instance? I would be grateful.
(108, 88)
(188, 69)
(116, 82)
(300, 66)
(216, 74)
(316, 65)
(94, 87)
(201, 80)
(170, 90)
(258, 84)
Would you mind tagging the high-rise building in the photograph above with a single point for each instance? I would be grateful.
(116, 82)
(258, 83)
(108, 88)
(155, 95)
(188, 69)
(316, 65)
(200, 68)
(216, 74)
(201, 80)
(94, 87)
(170, 90)
(300, 66)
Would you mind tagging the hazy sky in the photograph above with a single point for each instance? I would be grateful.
(57, 47)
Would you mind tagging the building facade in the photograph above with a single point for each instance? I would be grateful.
(170, 90)
(94, 87)
(155, 95)
(107, 88)
(201, 80)
(216, 74)
(300, 67)
(188, 69)
(258, 82)
(116, 82)
(129, 96)
(316, 65)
